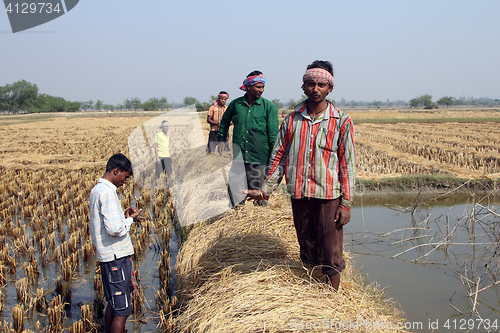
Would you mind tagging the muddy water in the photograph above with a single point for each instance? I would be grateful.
(431, 282)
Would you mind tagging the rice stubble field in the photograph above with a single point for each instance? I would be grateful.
(49, 167)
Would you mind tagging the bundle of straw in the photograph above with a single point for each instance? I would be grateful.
(242, 273)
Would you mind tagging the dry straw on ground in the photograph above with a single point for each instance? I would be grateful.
(241, 273)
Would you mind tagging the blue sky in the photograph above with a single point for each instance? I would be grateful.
(113, 50)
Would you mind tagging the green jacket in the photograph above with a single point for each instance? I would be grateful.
(255, 129)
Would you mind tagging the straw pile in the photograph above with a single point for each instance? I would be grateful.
(241, 273)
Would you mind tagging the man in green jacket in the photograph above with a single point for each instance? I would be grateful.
(255, 122)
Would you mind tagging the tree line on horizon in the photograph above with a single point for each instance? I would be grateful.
(23, 97)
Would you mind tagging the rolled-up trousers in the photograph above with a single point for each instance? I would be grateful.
(320, 238)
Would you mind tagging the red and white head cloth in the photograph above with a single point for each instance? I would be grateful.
(215, 101)
(318, 74)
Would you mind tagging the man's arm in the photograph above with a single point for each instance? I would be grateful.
(210, 117)
(225, 122)
(156, 153)
(347, 170)
(272, 126)
(211, 121)
(115, 222)
(276, 164)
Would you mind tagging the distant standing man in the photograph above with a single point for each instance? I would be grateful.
(162, 150)
(109, 229)
(213, 118)
(315, 152)
(255, 122)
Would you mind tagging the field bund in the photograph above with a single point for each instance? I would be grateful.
(242, 273)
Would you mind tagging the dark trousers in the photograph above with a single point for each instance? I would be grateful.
(116, 277)
(213, 142)
(164, 165)
(245, 176)
(320, 238)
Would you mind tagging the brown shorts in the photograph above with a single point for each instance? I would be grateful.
(320, 238)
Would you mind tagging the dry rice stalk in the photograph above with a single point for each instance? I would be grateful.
(6, 327)
(40, 302)
(242, 274)
(137, 301)
(29, 273)
(164, 268)
(166, 309)
(3, 275)
(88, 318)
(22, 290)
(63, 289)
(88, 250)
(56, 314)
(18, 318)
(99, 303)
(77, 327)
(12, 263)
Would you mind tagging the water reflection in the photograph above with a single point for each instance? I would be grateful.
(438, 258)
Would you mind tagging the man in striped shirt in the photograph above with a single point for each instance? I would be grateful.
(213, 118)
(314, 150)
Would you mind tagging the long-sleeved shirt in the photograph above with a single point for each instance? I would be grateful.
(108, 226)
(216, 113)
(317, 157)
(255, 129)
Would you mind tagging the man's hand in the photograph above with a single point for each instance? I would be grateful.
(342, 216)
(253, 194)
(134, 213)
(221, 147)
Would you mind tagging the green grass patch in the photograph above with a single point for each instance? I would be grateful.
(11, 120)
(36, 117)
(426, 120)
(415, 183)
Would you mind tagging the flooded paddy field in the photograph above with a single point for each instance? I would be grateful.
(437, 258)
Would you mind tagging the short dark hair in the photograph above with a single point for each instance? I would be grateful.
(254, 73)
(326, 65)
(223, 92)
(119, 161)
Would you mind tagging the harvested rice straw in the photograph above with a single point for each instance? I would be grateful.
(18, 318)
(242, 273)
(239, 237)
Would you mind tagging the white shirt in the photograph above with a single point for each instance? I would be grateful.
(108, 226)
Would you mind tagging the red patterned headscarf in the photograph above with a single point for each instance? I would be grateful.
(318, 74)
(254, 79)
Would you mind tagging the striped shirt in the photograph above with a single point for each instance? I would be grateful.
(108, 226)
(216, 112)
(317, 157)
